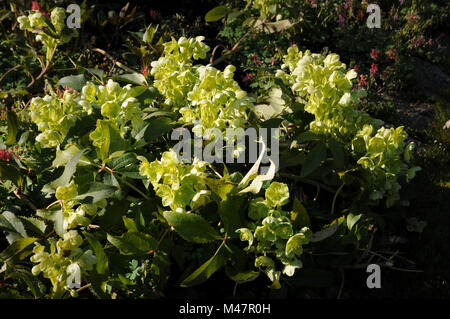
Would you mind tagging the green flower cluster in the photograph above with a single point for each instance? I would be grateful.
(116, 103)
(56, 33)
(174, 72)
(274, 233)
(325, 87)
(179, 185)
(202, 94)
(75, 213)
(65, 263)
(54, 116)
(383, 153)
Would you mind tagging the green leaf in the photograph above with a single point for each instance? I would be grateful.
(30, 280)
(11, 173)
(16, 247)
(75, 82)
(220, 187)
(64, 156)
(122, 161)
(295, 243)
(131, 172)
(133, 243)
(13, 124)
(352, 220)
(66, 176)
(233, 15)
(230, 211)
(326, 232)
(94, 193)
(314, 159)
(155, 128)
(13, 226)
(207, 269)
(107, 137)
(299, 215)
(56, 215)
(34, 225)
(192, 227)
(170, 114)
(130, 224)
(216, 14)
(102, 259)
(307, 136)
(99, 73)
(245, 234)
(133, 78)
(149, 34)
(338, 153)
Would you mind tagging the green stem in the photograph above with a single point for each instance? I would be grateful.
(335, 197)
(133, 187)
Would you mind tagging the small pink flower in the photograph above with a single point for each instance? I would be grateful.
(356, 68)
(35, 6)
(391, 55)
(373, 69)
(374, 54)
(152, 13)
(362, 80)
(341, 20)
(6, 155)
(256, 61)
(247, 77)
(144, 69)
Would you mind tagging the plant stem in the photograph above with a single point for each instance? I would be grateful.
(133, 187)
(335, 197)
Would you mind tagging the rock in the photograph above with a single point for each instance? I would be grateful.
(429, 79)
